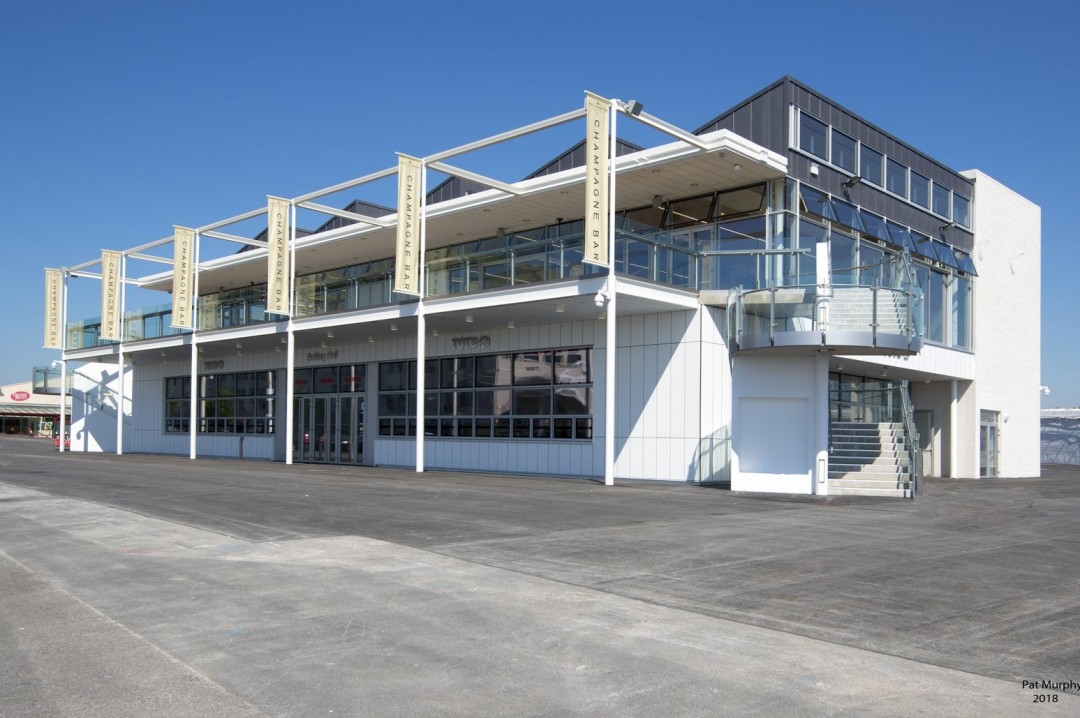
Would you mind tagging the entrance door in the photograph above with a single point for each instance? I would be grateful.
(988, 444)
(924, 424)
(329, 429)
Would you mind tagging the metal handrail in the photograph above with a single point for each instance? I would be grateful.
(914, 454)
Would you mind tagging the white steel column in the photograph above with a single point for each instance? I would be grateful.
(120, 358)
(421, 322)
(193, 400)
(612, 317)
(193, 392)
(290, 389)
(290, 344)
(954, 434)
(63, 361)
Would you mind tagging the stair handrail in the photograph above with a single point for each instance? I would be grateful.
(914, 452)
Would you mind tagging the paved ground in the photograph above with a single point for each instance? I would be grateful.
(144, 585)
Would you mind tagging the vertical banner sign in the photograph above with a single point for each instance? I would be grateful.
(53, 304)
(596, 180)
(279, 271)
(407, 266)
(183, 278)
(110, 295)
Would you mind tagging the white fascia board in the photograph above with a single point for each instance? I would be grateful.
(91, 353)
(157, 344)
(236, 333)
(389, 312)
(685, 299)
(514, 295)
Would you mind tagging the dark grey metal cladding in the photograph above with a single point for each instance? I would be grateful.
(765, 119)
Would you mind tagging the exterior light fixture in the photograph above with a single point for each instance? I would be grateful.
(371, 340)
(851, 181)
(329, 335)
(434, 332)
(737, 167)
(946, 227)
(322, 344)
(468, 319)
(560, 308)
(393, 327)
(239, 345)
(658, 201)
(633, 108)
(510, 324)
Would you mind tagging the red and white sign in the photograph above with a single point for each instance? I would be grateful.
(20, 395)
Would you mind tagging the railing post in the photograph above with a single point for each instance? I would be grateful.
(874, 312)
(772, 316)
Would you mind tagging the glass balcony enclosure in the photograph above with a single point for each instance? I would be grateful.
(763, 236)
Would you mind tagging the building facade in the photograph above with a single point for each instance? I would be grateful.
(796, 301)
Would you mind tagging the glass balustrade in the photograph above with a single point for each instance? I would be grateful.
(770, 259)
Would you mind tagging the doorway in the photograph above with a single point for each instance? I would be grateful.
(988, 444)
(924, 424)
(329, 428)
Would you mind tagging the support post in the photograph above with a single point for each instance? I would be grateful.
(612, 315)
(421, 322)
(63, 361)
(120, 358)
(193, 393)
(290, 391)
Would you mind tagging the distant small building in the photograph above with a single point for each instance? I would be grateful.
(32, 408)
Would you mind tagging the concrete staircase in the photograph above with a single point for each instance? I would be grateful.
(852, 309)
(867, 459)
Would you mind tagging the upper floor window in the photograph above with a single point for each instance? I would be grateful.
(896, 178)
(843, 151)
(813, 136)
(940, 200)
(870, 165)
(961, 211)
(920, 190)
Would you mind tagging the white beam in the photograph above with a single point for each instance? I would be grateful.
(234, 238)
(346, 215)
(496, 139)
(232, 220)
(466, 174)
(148, 257)
(346, 185)
(667, 127)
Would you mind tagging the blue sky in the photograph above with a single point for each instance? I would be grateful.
(120, 119)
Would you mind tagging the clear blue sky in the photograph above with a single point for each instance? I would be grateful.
(120, 119)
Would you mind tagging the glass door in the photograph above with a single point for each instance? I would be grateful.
(924, 424)
(988, 444)
(302, 443)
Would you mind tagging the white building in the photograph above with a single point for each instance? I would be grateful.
(800, 302)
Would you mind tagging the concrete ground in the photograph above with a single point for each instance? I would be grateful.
(148, 585)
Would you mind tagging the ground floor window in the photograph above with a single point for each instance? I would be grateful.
(545, 394)
(238, 403)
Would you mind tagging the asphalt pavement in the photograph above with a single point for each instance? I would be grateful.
(150, 585)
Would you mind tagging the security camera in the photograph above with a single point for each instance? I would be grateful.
(55, 363)
(599, 299)
(1045, 390)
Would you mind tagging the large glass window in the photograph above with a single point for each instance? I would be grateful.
(177, 404)
(961, 312)
(813, 136)
(843, 151)
(238, 403)
(920, 190)
(941, 200)
(546, 394)
(871, 165)
(961, 210)
(896, 178)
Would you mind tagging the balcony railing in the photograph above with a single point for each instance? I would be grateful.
(882, 317)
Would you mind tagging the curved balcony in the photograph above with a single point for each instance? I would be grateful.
(845, 319)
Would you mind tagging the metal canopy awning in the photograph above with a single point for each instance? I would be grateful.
(669, 170)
